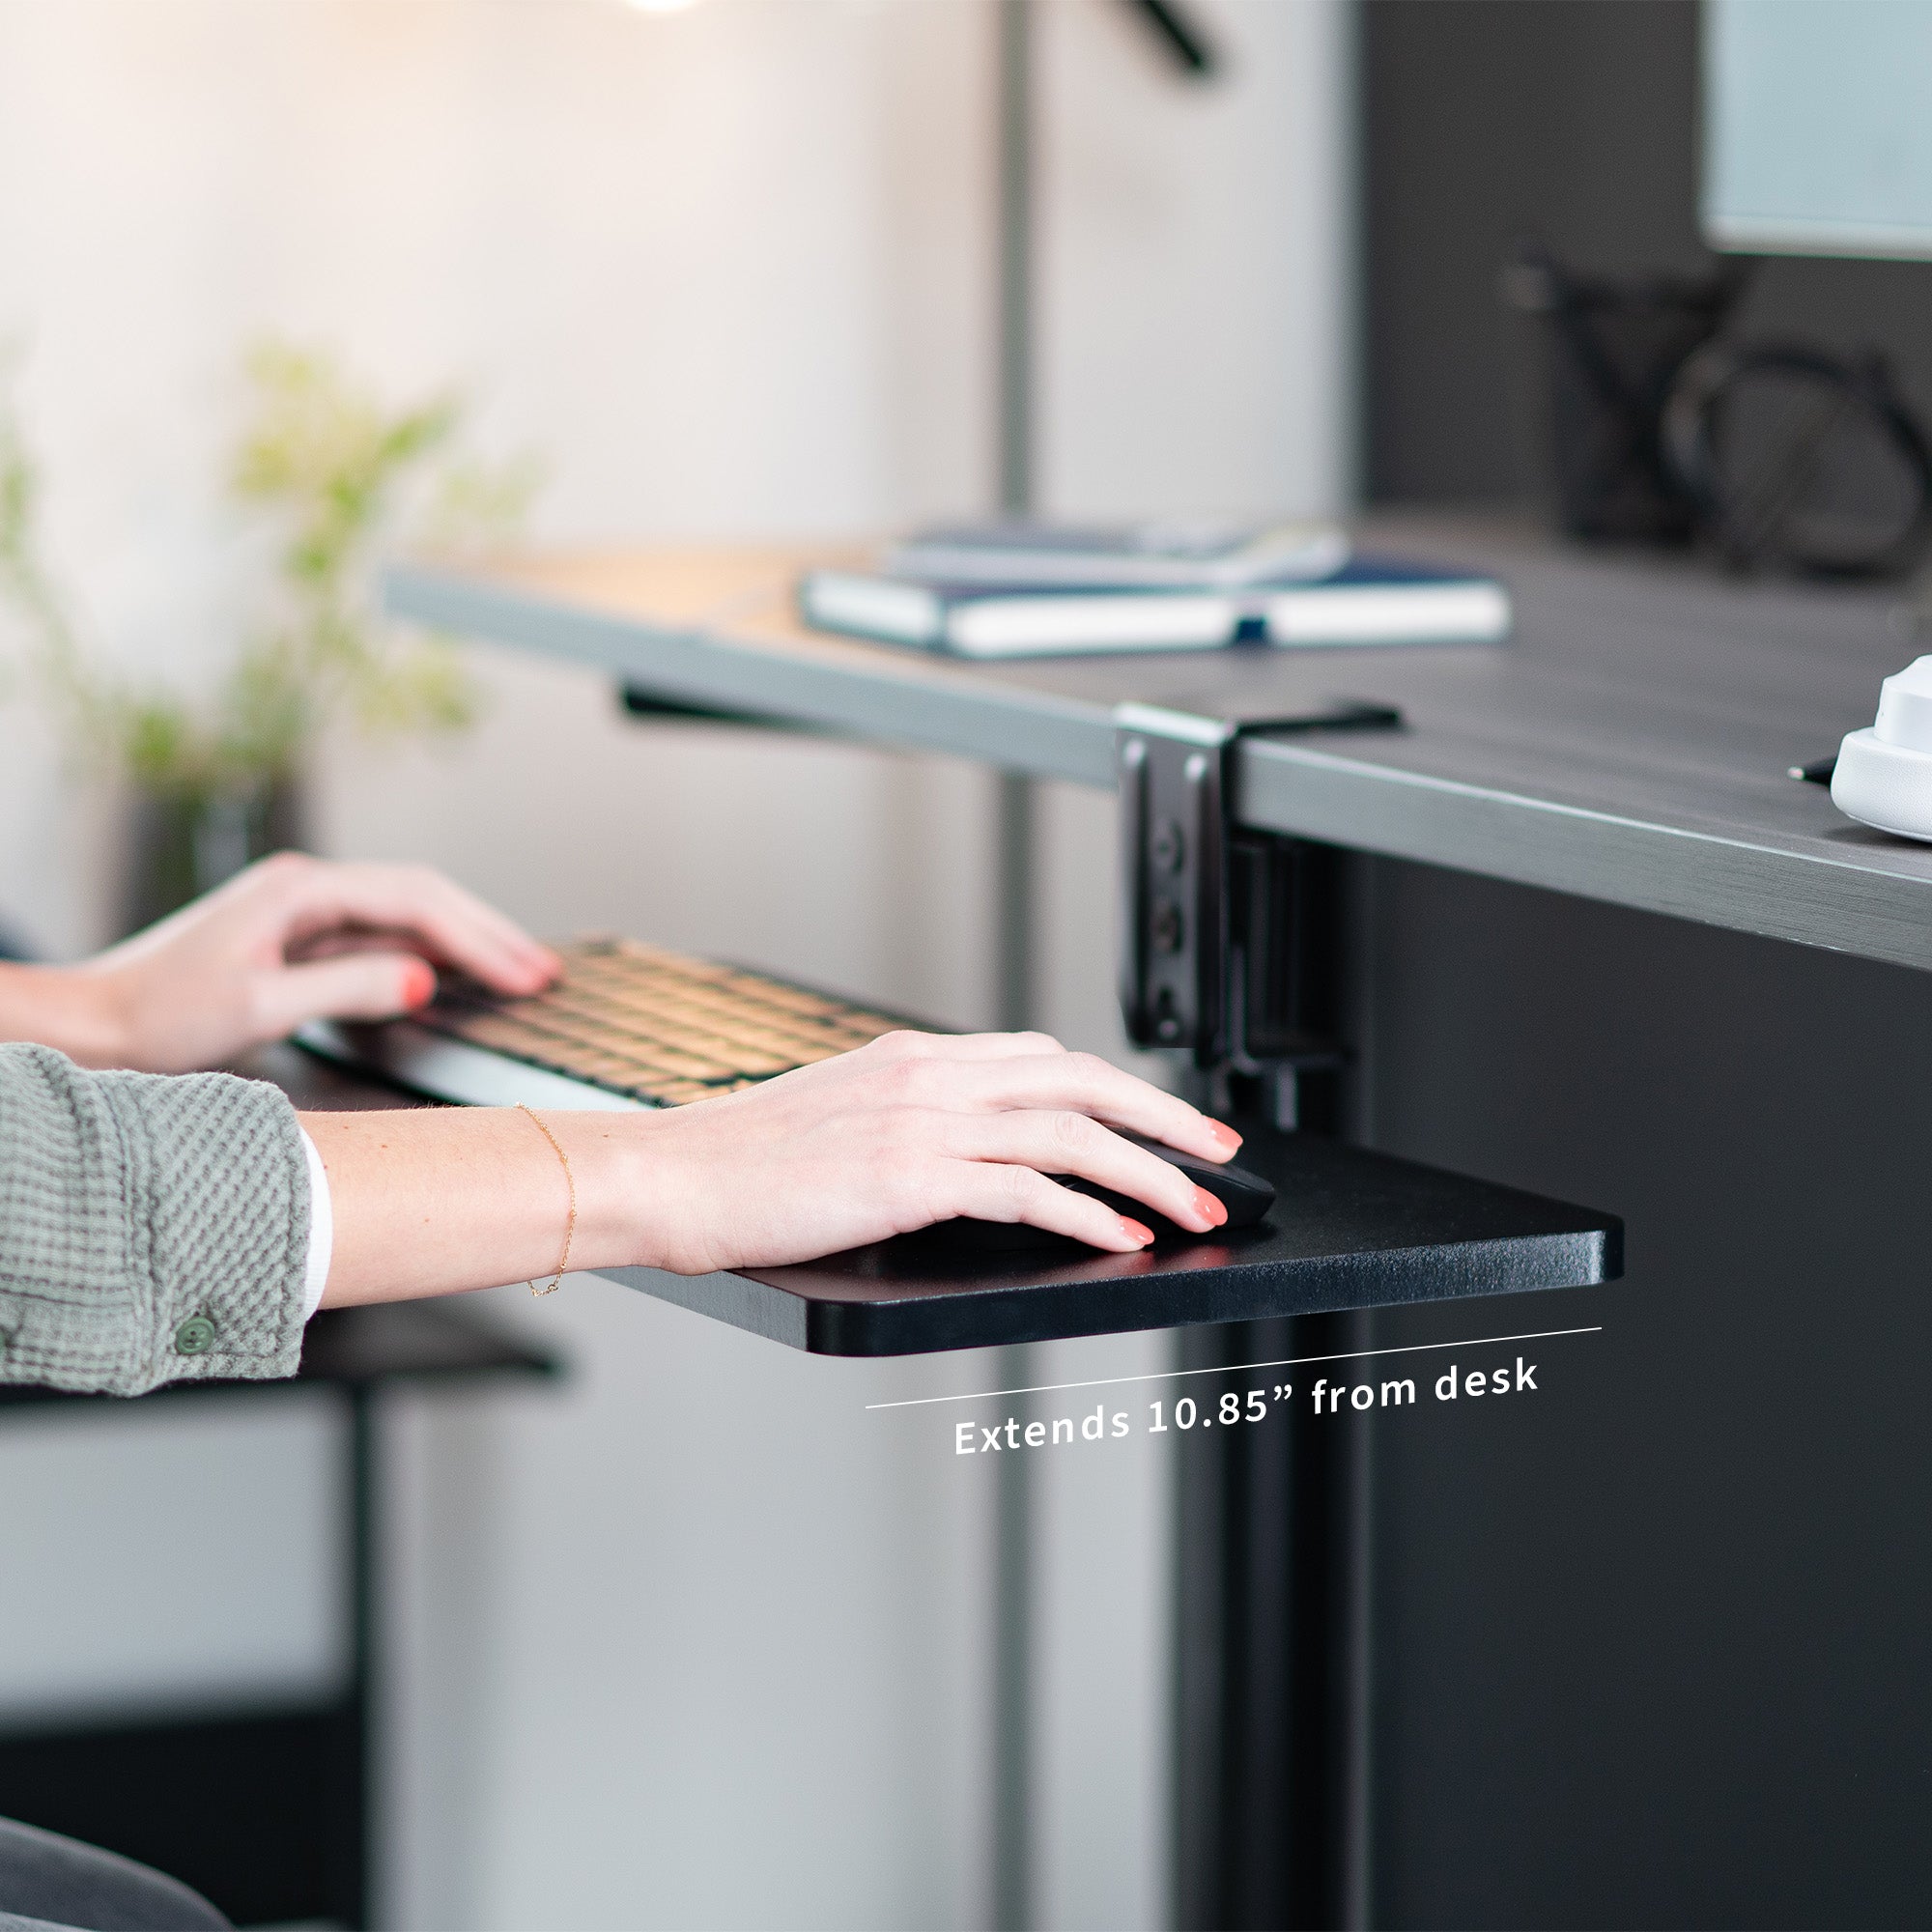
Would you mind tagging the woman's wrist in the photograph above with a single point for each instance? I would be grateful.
(435, 1199)
(73, 1009)
(620, 1220)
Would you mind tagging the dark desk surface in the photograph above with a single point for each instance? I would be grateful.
(1629, 744)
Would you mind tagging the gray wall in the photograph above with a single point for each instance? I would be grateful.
(1487, 121)
(1648, 1648)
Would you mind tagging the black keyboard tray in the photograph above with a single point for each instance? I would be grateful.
(1352, 1229)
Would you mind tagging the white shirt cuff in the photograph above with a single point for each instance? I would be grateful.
(321, 1228)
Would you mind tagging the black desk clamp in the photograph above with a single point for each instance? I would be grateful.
(1226, 940)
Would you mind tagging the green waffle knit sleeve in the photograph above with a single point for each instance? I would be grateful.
(151, 1229)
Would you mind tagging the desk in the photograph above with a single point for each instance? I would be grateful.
(1629, 745)
(1653, 1652)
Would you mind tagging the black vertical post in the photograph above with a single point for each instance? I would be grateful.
(1270, 1683)
(1270, 1668)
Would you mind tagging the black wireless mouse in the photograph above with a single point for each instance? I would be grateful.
(1245, 1194)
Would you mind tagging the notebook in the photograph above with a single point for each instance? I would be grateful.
(1366, 601)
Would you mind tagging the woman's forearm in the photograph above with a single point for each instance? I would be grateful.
(61, 1006)
(909, 1130)
(441, 1199)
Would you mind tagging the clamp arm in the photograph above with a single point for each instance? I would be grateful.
(1205, 916)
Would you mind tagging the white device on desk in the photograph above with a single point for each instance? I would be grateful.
(1884, 775)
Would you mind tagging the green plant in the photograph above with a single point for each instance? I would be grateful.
(343, 477)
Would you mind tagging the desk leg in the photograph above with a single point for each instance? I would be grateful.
(1013, 1511)
(352, 1825)
(1013, 1681)
(1015, 963)
(1012, 1606)
(1272, 1684)
(1273, 1540)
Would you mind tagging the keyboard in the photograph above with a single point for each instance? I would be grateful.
(628, 1025)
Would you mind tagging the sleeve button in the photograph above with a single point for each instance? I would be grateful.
(195, 1336)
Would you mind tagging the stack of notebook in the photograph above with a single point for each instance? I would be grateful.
(1025, 589)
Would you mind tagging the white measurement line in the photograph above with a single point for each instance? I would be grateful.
(1235, 1368)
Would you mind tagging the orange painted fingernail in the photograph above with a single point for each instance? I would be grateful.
(1135, 1232)
(1224, 1134)
(418, 984)
(1208, 1208)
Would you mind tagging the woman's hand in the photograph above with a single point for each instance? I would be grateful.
(912, 1129)
(916, 1128)
(292, 939)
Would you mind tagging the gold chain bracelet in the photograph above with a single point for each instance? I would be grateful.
(570, 1226)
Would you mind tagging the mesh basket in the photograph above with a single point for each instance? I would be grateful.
(1610, 349)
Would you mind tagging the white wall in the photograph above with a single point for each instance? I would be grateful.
(1196, 329)
(693, 1640)
(1196, 249)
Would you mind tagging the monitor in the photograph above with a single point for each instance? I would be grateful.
(1817, 137)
